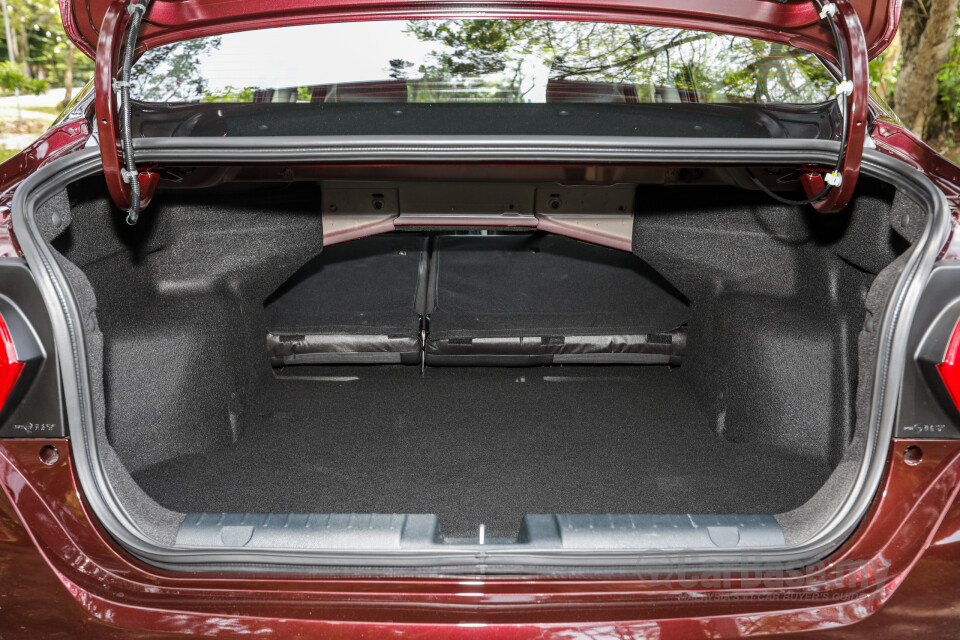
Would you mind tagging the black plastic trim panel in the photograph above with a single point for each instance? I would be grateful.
(926, 410)
(34, 408)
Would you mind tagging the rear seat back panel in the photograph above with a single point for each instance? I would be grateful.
(357, 302)
(534, 298)
(507, 299)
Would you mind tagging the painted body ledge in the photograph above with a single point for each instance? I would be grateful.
(68, 569)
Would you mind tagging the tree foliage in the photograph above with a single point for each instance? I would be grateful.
(11, 78)
(927, 32)
(40, 43)
(164, 73)
(949, 82)
(720, 67)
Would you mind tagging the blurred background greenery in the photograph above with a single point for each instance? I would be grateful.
(41, 65)
(918, 75)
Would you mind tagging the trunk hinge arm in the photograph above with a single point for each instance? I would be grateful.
(831, 192)
(129, 188)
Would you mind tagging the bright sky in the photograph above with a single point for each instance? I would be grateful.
(346, 52)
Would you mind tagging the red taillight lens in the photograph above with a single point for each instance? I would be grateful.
(10, 366)
(949, 369)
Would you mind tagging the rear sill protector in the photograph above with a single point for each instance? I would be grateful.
(422, 531)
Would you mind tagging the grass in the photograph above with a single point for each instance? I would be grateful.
(6, 153)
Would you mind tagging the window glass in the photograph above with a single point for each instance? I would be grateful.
(480, 61)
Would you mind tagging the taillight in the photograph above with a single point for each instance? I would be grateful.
(10, 365)
(949, 369)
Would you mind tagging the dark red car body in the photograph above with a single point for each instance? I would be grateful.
(61, 575)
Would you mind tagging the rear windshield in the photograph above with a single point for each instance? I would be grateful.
(480, 61)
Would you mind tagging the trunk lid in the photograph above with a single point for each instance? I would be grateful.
(807, 24)
(793, 21)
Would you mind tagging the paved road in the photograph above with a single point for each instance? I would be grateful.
(49, 99)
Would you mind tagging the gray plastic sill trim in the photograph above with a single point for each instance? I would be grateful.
(372, 531)
(70, 342)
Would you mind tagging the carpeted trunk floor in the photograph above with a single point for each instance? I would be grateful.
(484, 446)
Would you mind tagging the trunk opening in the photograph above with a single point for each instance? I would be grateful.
(486, 376)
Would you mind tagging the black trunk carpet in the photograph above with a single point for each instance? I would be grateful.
(484, 446)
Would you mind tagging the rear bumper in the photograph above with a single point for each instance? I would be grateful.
(62, 572)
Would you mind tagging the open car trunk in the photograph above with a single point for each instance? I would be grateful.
(464, 385)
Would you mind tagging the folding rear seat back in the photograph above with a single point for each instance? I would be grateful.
(359, 302)
(539, 299)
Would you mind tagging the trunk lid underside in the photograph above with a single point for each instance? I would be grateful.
(792, 21)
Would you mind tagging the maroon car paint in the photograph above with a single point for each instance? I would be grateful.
(54, 143)
(856, 120)
(60, 573)
(58, 563)
(793, 21)
(111, 44)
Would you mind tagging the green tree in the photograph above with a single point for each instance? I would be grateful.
(11, 78)
(927, 31)
(948, 80)
(41, 46)
(172, 73)
(719, 67)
